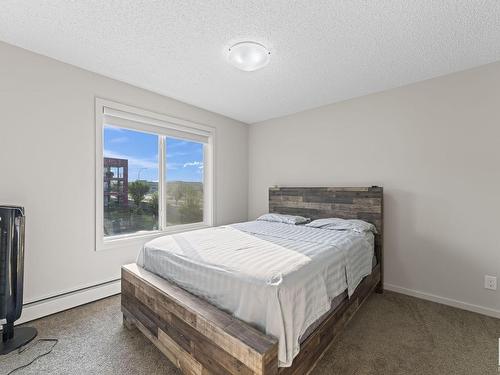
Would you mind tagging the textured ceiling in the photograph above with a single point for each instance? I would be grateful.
(323, 51)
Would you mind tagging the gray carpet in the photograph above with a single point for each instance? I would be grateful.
(391, 334)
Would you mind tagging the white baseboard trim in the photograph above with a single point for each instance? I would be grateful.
(36, 310)
(444, 301)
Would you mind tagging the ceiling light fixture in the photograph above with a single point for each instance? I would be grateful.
(249, 56)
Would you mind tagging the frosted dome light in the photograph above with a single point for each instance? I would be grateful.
(249, 56)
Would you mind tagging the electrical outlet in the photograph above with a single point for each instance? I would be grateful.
(490, 282)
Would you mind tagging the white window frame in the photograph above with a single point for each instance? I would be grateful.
(161, 125)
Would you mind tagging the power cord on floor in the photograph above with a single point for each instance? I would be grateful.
(54, 341)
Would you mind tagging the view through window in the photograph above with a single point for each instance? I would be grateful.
(132, 187)
(184, 181)
(130, 181)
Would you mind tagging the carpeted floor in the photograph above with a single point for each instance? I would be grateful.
(391, 334)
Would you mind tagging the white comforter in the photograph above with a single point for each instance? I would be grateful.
(278, 277)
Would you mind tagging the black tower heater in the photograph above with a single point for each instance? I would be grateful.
(11, 278)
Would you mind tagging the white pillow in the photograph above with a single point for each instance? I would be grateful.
(334, 223)
(286, 219)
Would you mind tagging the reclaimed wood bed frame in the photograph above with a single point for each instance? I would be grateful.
(199, 338)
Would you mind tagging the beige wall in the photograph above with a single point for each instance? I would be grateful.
(47, 153)
(434, 147)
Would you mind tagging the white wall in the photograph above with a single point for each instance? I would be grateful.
(47, 159)
(434, 147)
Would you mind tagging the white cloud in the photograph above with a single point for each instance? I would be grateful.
(198, 164)
(173, 154)
(119, 140)
(173, 166)
(177, 144)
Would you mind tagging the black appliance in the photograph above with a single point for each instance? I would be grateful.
(11, 279)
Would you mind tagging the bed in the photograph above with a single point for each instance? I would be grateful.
(257, 297)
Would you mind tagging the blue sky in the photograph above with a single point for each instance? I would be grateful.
(184, 158)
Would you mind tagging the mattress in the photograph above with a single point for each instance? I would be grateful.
(280, 278)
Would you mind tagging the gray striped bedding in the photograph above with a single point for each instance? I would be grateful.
(278, 277)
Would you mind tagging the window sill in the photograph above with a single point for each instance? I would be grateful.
(139, 239)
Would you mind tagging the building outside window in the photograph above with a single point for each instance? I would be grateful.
(115, 182)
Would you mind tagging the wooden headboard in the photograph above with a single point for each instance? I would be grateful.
(365, 203)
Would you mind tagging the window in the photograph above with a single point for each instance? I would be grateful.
(153, 174)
